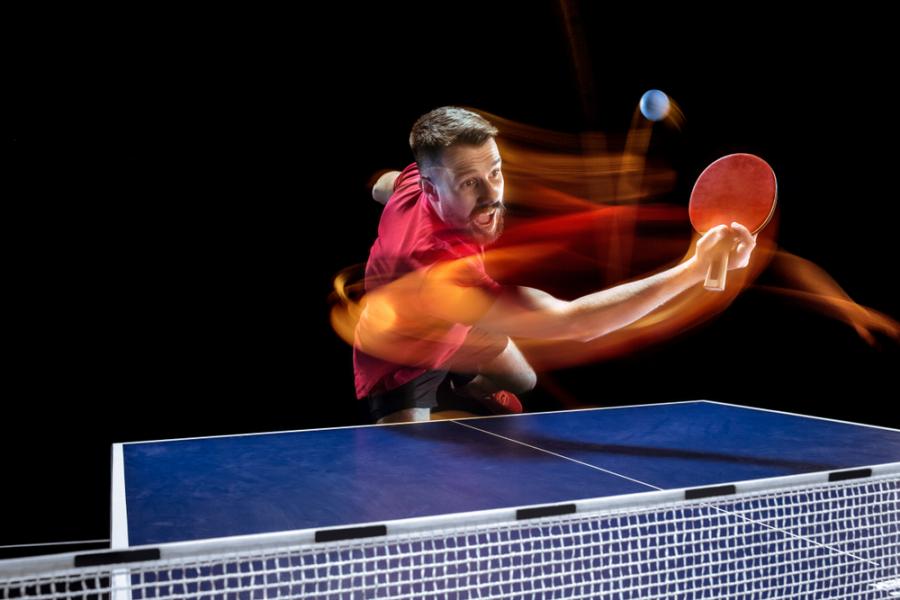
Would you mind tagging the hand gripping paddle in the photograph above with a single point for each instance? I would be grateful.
(737, 187)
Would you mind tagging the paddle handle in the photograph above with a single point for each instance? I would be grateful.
(715, 275)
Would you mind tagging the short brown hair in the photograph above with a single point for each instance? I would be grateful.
(444, 127)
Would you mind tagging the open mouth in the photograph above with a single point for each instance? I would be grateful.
(486, 219)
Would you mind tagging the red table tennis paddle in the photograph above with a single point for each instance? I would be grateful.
(737, 187)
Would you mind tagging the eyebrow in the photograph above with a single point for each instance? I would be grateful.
(467, 171)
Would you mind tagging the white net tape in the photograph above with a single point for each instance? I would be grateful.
(831, 540)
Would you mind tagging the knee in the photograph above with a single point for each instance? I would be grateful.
(510, 370)
(523, 381)
(528, 382)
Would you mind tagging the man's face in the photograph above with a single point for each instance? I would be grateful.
(466, 190)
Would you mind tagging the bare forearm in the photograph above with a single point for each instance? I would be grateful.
(605, 311)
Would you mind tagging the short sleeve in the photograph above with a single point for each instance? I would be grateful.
(407, 177)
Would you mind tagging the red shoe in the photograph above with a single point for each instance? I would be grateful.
(503, 403)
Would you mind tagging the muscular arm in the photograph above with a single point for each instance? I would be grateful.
(534, 314)
(384, 187)
(527, 312)
(606, 311)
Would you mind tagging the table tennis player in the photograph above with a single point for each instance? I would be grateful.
(440, 213)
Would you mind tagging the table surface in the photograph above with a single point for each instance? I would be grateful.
(200, 488)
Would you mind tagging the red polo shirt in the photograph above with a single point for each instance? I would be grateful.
(411, 238)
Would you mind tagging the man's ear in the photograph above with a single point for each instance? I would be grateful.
(429, 188)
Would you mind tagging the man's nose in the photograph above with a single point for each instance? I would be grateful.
(490, 192)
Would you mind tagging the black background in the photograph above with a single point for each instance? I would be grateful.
(186, 187)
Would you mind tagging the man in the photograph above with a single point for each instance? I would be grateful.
(440, 212)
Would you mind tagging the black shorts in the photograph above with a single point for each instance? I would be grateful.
(421, 392)
(431, 388)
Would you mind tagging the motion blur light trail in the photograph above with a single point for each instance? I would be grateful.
(817, 290)
(581, 218)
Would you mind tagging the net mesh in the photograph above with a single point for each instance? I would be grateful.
(831, 540)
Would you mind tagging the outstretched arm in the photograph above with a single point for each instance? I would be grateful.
(528, 312)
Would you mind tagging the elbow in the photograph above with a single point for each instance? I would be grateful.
(384, 187)
(379, 195)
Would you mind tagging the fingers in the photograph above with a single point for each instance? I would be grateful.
(719, 232)
(735, 240)
(728, 233)
(743, 233)
(744, 244)
(715, 238)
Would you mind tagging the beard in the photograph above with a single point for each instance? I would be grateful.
(492, 232)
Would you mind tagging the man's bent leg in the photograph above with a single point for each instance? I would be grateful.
(495, 362)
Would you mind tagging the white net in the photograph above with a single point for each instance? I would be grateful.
(830, 540)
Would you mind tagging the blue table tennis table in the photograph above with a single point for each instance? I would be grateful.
(695, 499)
(189, 489)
